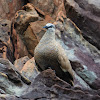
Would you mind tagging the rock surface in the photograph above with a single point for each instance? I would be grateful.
(84, 56)
(20, 49)
(19, 63)
(6, 46)
(47, 86)
(86, 15)
(29, 70)
(25, 37)
(55, 6)
(18, 40)
(8, 8)
(11, 81)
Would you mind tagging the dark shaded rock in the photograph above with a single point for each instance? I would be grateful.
(42, 84)
(8, 8)
(84, 57)
(86, 15)
(47, 86)
(11, 81)
(6, 47)
(11, 72)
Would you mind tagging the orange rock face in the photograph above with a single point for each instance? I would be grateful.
(23, 37)
(19, 47)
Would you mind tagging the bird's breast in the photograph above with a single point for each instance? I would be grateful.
(47, 51)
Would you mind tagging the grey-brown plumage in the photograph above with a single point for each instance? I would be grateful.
(49, 53)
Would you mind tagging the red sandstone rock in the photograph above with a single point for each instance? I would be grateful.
(30, 40)
(37, 28)
(20, 49)
(25, 40)
(49, 7)
(8, 8)
(24, 17)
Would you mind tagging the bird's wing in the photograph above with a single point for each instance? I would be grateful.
(64, 62)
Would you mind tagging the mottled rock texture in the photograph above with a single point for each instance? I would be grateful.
(24, 38)
(19, 63)
(18, 40)
(47, 86)
(20, 49)
(80, 51)
(11, 81)
(86, 15)
(49, 7)
(6, 46)
(8, 8)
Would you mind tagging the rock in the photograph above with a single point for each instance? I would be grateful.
(30, 40)
(6, 47)
(37, 29)
(51, 8)
(24, 17)
(47, 86)
(11, 81)
(20, 49)
(8, 8)
(25, 37)
(81, 51)
(11, 72)
(29, 70)
(86, 15)
(19, 63)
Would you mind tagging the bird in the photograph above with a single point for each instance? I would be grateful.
(50, 54)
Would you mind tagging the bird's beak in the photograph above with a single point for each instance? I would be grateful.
(45, 27)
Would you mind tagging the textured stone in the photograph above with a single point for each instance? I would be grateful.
(47, 86)
(19, 63)
(11, 72)
(25, 37)
(81, 51)
(30, 40)
(24, 17)
(29, 70)
(84, 57)
(37, 28)
(49, 7)
(8, 8)
(11, 81)
(86, 15)
(20, 49)
(6, 47)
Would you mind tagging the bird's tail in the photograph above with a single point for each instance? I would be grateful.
(68, 78)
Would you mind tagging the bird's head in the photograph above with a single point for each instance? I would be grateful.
(49, 25)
